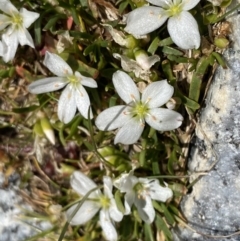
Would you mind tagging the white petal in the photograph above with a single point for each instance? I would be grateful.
(7, 7)
(112, 118)
(130, 132)
(1, 48)
(144, 20)
(125, 87)
(145, 209)
(158, 192)
(146, 62)
(28, 17)
(155, 190)
(164, 119)
(67, 105)
(183, 30)
(10, 44)
(24, 37)
(4, 21)
(160, 3)
(86, 81)
(114, 213)
(82, 101)
(157, 93)
(47, 85)
(107, 185)
(84, 214)
(189, 4)
(126, 182)
(57, 65)
(128, 65)
(128, 201)
(83, 184)
(108, 228)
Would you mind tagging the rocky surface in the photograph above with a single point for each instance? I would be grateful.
(212, 207)
(13, 226)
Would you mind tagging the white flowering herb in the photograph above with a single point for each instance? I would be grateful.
(130, 118)
(141, 66)
(16, 23)
(140, 192)
(181, 25)
(73, 96)
(97, 201)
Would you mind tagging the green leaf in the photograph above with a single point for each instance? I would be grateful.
(161, 225)
(148, 232)
(172, 51)
(195, 85)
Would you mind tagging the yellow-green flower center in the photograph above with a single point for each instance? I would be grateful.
(138, 187)
(140, 110)
(174, 10)
(17, 20)
(105, 202)
(73, 79)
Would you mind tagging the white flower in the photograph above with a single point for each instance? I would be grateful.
(74, 95)
(131, 118)
(140, 67)
(181, 25)
(109, 211)
(140, 192)
(17, 23)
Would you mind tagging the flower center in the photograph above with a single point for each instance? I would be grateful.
(104, 201)
(140, 190)
(17, 20)
(174, 9)
(139, 110)
(73, 79)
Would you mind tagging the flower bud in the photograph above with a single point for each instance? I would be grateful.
(221, 42)
(47, 129)
(145, 61)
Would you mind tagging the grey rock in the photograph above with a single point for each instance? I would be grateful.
(12, 225)
(213, 206)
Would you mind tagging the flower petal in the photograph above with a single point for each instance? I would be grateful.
(160, 3)
(130, 132)
(47, 85)
(164, 119)
(108, 228)
(4, 21)
(146, 62)
(156, 191)
(57, 65)
(157, 93)
(144, 20)
(24, 37)
(126, 182)
(86, 81)
(107, 185)
(183, 30)
(128, 65)
(28, 17)
(10, 44)
(112, 118)
(7, 7)
(82, 101)
(1, 48)
(114, 213)
(125, 87)
(67, 105)
(82, 184)
(128, 201)
(187, 5)
(84, 214)
(145, 209)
